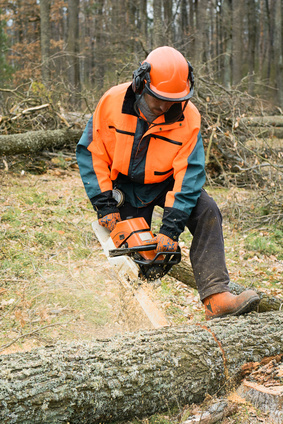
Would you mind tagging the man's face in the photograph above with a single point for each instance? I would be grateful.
(156, 106)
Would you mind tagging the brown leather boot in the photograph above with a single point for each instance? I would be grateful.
(222, 304)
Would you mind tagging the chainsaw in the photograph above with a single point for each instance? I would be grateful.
(129, 237)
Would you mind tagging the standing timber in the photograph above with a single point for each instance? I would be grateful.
(136, 374)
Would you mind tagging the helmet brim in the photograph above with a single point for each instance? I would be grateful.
(169, 97)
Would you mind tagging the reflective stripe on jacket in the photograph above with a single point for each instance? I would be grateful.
(116, 141)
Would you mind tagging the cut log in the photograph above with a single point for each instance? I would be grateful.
(264, 388)
(261, 121)
(133, 375)
(183, 272)
(268, 399)
(269, 132)
(214, 414)
(264, 126)
(35, 141)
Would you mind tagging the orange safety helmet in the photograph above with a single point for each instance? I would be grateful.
(166, 75)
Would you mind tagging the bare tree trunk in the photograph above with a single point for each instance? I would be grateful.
(168, 21)
(200, 47)
(270, 23)
(73, 49)
(143, 22)
(158, 39)
(251, 43)
(100, 57)
(133, 375)
(237, 40)
(45, 39)
(278, 50)
(192, 31)
(227, 23)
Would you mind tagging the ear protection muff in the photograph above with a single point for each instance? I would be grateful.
(191, 77)
(141, 75)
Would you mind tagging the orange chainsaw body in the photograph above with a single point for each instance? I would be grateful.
(131, 233)
(133, 237)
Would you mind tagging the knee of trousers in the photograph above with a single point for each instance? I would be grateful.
(212, 209)
(207, 206)
(205, 212)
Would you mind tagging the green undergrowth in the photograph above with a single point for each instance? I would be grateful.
(268, 243)
(48, 256)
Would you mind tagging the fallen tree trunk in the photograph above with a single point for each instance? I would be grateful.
(183, 272)
(35, 141)
(261, 121)
(133, 375)
(269, 132)
(264, 126)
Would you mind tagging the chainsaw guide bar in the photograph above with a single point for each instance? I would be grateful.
(128, 274)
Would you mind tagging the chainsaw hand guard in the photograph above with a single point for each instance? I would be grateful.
(160, 265)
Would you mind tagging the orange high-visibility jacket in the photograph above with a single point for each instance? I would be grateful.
(117, 142)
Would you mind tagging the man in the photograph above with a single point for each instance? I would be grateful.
(144, 139)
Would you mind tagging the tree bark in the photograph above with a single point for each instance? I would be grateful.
(158, 35)
(237, 40)
(260, 121)
(45, 39)
(133, 375)
(34, 141)
(73, 49)
(227, 25)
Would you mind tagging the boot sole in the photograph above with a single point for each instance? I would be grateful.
(245, 308)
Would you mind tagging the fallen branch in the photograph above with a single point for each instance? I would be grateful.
(30, 109)
(260, 121)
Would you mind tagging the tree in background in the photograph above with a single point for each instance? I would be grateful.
(5, 68)
(45, 39)
(73, 50)
(85, 46)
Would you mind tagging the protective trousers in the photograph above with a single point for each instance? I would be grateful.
(207, 247)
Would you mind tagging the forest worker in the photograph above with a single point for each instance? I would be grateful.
(144, 139)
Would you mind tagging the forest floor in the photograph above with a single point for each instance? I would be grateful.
(56, 284)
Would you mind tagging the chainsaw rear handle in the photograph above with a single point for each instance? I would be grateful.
(120, 251)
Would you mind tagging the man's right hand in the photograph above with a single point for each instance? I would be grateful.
(109, 221)
(163, 243)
